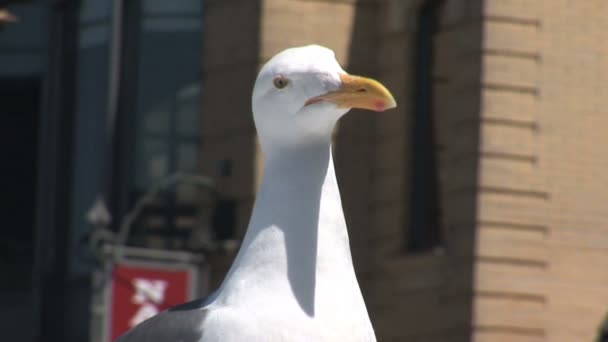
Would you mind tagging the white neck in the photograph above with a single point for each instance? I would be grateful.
(296, 244)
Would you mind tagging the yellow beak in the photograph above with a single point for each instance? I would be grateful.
(359, 92)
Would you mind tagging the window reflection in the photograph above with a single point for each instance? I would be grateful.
(165, 50)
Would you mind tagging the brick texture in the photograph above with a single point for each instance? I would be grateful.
(542, 93)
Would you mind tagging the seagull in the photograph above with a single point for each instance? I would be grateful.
(293, 278)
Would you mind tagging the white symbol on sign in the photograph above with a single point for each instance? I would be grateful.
(148, 294)
(145, 311)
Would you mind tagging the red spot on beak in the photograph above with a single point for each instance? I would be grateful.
(379, 105)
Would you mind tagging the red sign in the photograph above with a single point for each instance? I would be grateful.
(140, 292)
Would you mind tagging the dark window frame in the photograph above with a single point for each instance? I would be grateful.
(424, 229)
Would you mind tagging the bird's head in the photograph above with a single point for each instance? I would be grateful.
(300, 94)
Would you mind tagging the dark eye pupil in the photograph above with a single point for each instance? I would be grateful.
(280, 82)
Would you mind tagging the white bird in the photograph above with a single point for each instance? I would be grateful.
(293, 278)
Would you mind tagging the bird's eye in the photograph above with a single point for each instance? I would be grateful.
(280, 82)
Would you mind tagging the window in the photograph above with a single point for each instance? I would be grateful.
(160, 115)
(424, 229)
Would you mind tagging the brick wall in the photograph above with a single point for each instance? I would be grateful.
(541, 198)
(511, 255)
(573, 120)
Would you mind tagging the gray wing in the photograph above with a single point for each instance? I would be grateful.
(182, 323)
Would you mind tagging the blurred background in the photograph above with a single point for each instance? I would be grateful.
(478, 209)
